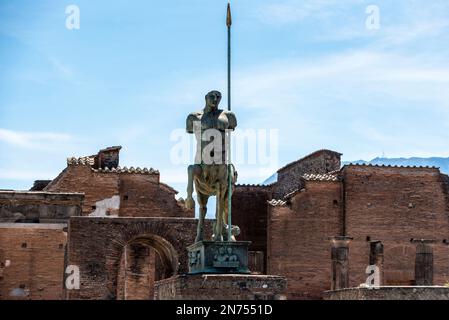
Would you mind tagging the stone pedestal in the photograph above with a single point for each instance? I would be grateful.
(389, 293)
(340, 262)
(221, 287)
(424, 262)
(218, 257)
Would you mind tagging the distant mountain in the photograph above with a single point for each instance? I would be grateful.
(272, 179)
(442, 163)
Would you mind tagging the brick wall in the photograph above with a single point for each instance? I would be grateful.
(297, 238)
(140, 194)
(322, 161)
(36, 261)
(96, 186)
(249, 212)
(44, 207)
(394, 205)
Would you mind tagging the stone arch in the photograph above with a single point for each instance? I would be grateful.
(144, 260)
(164, 249)
(96, 245)
(151, 235)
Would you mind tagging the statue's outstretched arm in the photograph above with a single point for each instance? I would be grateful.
(191, 118)
(232, 120)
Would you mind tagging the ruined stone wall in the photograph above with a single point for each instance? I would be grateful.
(221, 287)
(393, 205)
(319, 162)
(249, 212)
(141, 194)
(95, 186)
(109, 157)
(33, 260)
(390, 293)
(35, 207)
(298, 248)
(120, 194)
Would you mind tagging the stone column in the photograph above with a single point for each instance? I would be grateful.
(376, 257)
(340, 262)
(423, 262)
(2, 263)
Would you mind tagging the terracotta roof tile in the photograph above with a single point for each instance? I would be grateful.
(277, 203)
(126, 170)
(82, 161)
(321, 177)
(388, 166)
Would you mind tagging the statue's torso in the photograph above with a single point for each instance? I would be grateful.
(218, 119)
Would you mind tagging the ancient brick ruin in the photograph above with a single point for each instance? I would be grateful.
(124, 229)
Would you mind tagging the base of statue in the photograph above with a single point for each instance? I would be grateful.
(221, 287)
(216, 257)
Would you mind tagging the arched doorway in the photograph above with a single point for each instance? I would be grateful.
(144, 260)
(96, 246)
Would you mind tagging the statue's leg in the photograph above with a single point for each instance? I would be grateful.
(225, 215)
(192, 171)
(225, 212)
(219, 226)
(202, 201)
(226, 207)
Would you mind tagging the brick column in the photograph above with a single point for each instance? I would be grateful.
(376, 257)
(136, 278)
(340, 262)
(423, 262)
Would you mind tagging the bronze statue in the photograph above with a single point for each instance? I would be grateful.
(210, 172)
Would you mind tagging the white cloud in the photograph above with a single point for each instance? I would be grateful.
(26, 175)
(401, 22)
(294, 11)
(34, 140)
(351, 75)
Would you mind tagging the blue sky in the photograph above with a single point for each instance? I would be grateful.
(134, 70)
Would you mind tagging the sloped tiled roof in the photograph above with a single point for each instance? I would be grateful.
(293, 193)
(90, 161)
(170, 188)
(308, 156)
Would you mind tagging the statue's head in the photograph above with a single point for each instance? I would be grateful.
(213, 99)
